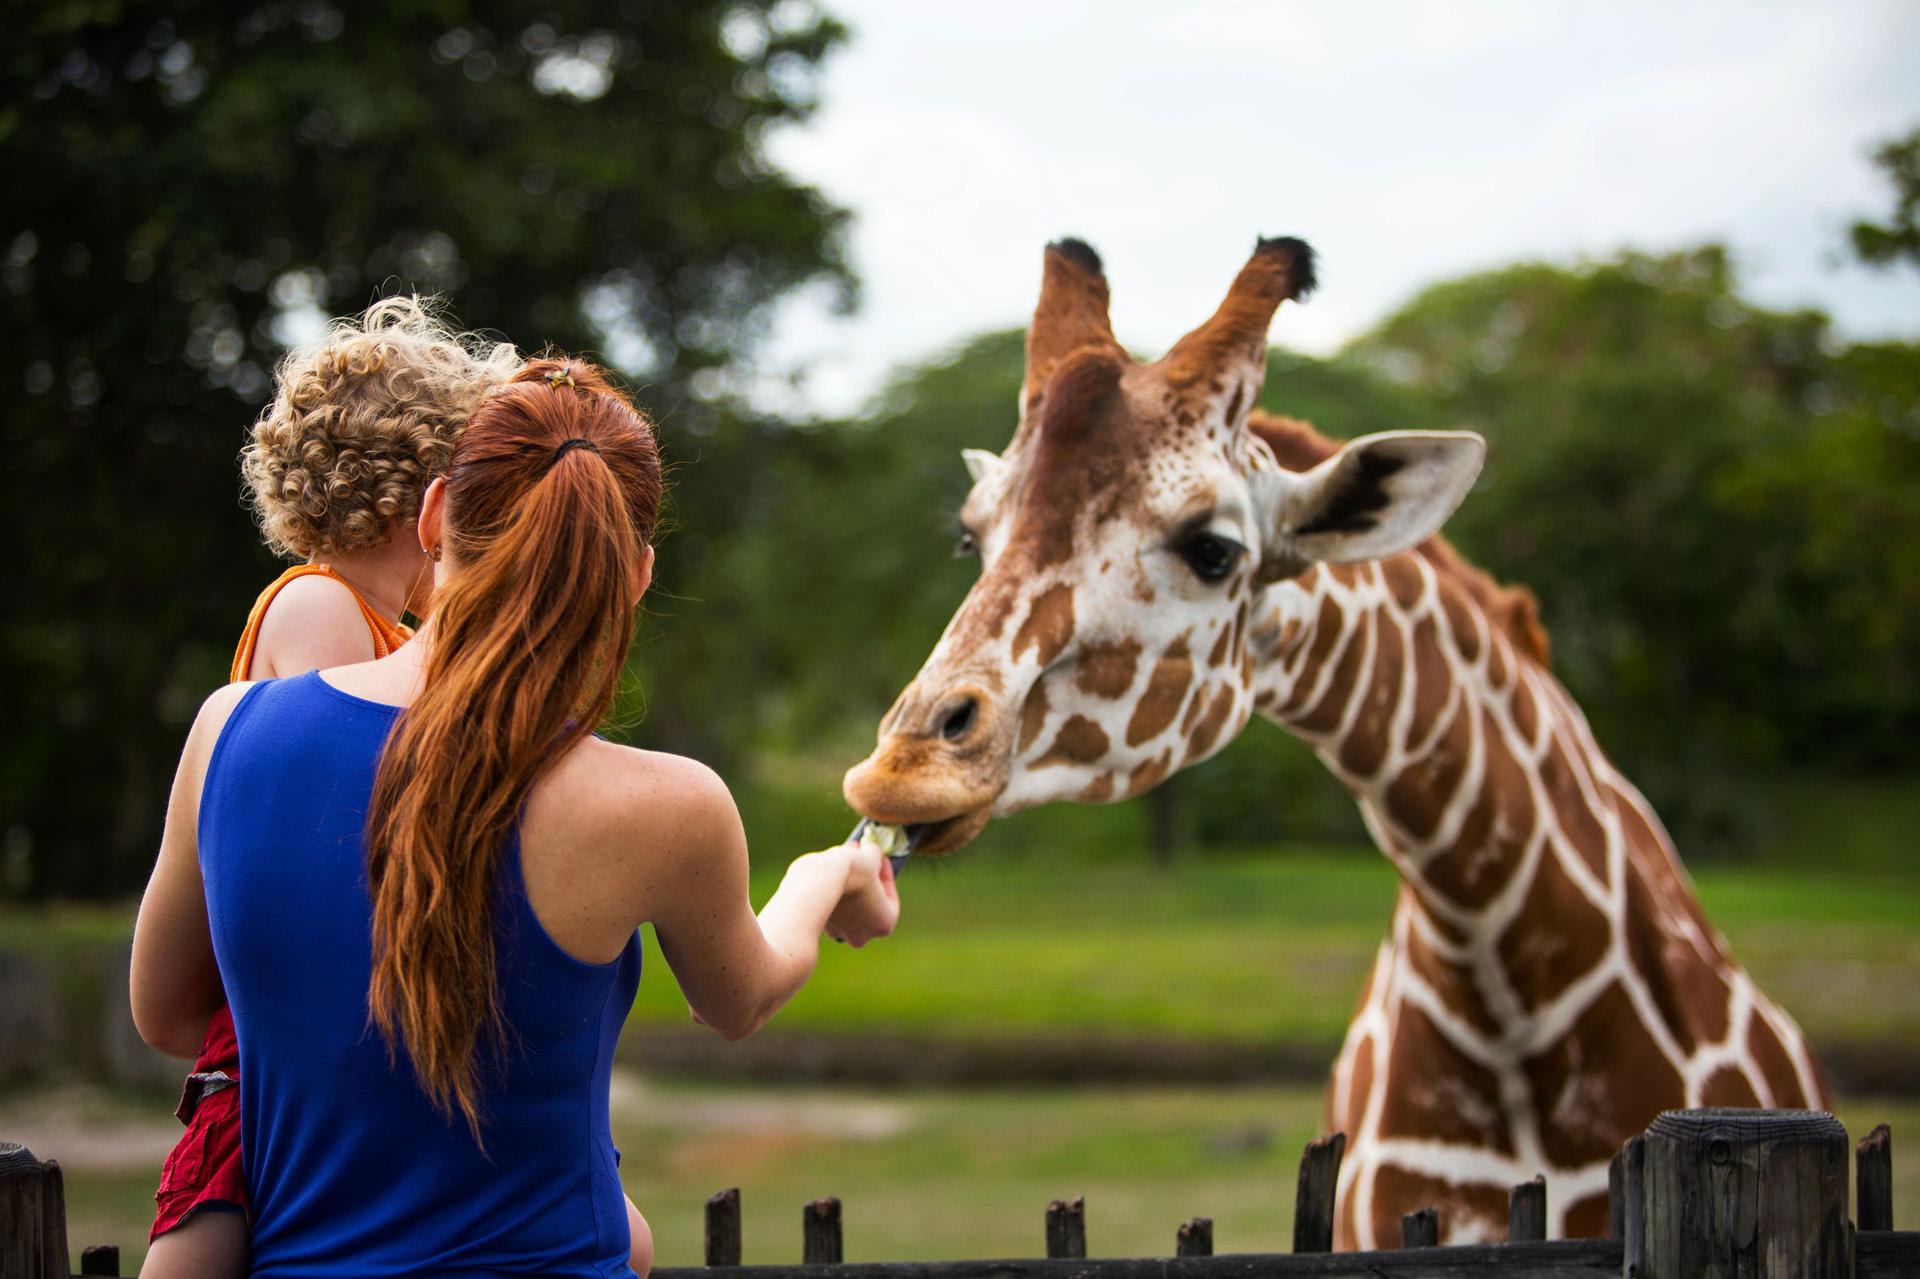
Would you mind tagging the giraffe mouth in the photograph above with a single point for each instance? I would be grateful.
(948, 835)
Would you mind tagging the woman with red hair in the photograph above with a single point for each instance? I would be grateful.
(422, 878)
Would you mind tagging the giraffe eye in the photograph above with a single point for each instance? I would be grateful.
(1210, 557)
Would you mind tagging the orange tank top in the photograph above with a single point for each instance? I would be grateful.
(387, 636)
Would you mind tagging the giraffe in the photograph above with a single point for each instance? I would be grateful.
(1160, 563)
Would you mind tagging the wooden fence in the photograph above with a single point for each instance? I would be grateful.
(1728, 1193)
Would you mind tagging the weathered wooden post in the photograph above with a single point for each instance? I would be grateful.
(1873, 1180)
(820, 1233)
(1195, 1238)
(53, 1218)
(723, 1227)
(1752, 1194)
(1527, 1211)
(22, 1245)
(1313, 1193)
(1633, 1207)
(1067, 1229)
(33, 1215)
(101, 1259)
(1420, 1228)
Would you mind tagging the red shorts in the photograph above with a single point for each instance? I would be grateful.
(204, 1169)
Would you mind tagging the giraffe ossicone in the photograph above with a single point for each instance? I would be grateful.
(1159, 563)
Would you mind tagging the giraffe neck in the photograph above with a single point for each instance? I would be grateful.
(1538, 881)
(1549, 982)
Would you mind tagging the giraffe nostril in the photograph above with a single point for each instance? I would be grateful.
(955, 724)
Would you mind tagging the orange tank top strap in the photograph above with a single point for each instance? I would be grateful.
(387, 636)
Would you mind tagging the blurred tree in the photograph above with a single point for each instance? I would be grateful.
(1899, 237)
(1716, 509)
(194, 183)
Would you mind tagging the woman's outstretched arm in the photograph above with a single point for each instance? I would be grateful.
(735, 968)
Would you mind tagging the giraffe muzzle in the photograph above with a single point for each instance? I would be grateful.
(940, 765)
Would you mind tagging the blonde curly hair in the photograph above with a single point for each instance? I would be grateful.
(360, 421)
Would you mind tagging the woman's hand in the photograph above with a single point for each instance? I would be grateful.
(869, 907)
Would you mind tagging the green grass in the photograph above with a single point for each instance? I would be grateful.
(1271, 946)
(923, 1174)
(1263, 945)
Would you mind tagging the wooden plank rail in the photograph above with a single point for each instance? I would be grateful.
(1566, 1259)
(1527, 1211)
(1067, 1229)
(1873, 1179)
(1194, 1238)
(1728, 1192)
(1313, 1193)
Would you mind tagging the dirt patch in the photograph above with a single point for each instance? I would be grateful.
(89, 1130)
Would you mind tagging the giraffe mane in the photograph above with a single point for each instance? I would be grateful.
(1297, 446)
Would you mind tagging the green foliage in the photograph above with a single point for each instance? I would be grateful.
(1898, 238)
(1715, 504)
(188, 180)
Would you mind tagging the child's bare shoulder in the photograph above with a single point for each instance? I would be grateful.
(313, 623)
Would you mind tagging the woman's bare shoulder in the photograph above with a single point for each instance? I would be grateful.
(603, 790)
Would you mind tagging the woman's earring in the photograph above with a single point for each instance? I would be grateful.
(433, 554)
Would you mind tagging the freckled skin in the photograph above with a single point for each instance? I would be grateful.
(1505, 1031)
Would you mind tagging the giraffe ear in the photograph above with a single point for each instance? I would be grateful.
(1378, 496)
(980, 463)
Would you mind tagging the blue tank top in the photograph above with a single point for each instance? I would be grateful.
(351, 1169)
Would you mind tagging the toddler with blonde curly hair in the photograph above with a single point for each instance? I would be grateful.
(361, 421)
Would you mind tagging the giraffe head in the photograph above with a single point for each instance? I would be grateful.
(1125, 536)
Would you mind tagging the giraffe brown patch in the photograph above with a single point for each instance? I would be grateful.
(1557, 936)
(1402, 576)
(1266, 699)
(1776, 1067)
(1419, 795)
(1439, 1093)
(1604, 1077)
(1526, 712)
(1492, 839)
(1366, 743)
(1588, 1218)
(1728, 1086)
(1326, 633)
(1650, 848)
(1106, 670)
(1218, 653)
(1165, 688)
(1079, 741)
(1346, 1112)
(1148, 773)
(1194, 704)
(1033, 715)
(1099, 790)
(1460, 620)
(993, 616)
(1459, 993)
(1207, 731)
(1690, 994)
(1464, 1207)
(1048, 627)
(1332, 706)
(1497, 668)
(1239, 624)
(1577, 821)
(1432, 682)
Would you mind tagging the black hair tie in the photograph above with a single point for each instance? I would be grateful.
(567, 445)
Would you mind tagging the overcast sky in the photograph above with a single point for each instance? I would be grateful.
(1407, 142)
